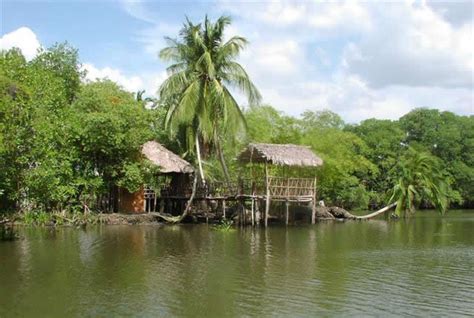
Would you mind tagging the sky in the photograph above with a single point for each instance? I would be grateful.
(362, 60)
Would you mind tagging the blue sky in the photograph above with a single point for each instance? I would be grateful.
(359, 59)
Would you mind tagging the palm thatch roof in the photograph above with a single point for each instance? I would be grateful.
(283, 155)
(165, 159)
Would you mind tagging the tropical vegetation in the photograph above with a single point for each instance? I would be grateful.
(65, 142)
(197, 91)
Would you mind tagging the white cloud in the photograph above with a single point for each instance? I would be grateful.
(413, 46)
(135, 9)
(348, 96)
(275, 57)
(132, 83)
(24, 39)
(395, 57)
(148, 82)
(456, 12)
(307, 14)
(348, 14)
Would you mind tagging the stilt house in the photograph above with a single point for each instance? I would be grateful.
(178, 170)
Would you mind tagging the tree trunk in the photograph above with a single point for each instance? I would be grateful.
(198, 154)
(374, 214)
(177, 219)
(222, 161)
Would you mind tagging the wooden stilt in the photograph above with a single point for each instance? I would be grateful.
(257, 212)
(162, 206)
(252, 211)
(313, 210)
(223, 209)
(267, 205)
(267, 208)
(287, 212)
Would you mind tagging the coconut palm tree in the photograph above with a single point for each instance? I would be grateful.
(202, 71)
(420, 180)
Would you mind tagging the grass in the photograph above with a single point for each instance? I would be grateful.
(43, 218)
(224, 226)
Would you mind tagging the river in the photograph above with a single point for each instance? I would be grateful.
(423, 267)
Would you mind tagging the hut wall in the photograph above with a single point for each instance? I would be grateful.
(131, 202)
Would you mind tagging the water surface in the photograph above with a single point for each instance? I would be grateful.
(423, 266)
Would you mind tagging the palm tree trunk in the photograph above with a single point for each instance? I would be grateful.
(222, 161)
(198, 154)
(374, 214)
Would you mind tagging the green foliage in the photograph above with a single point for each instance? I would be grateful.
(449, 137)
(363, 162)
(420, 179)
(224, 226)
(344, 154)
(64, 143)
(384, 140)
(201, 108)
(41, 218)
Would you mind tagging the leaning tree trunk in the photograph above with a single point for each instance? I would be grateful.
(222, 161)
(187, 209)
(198, 154)
(374, 214)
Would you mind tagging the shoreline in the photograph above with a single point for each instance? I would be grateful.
(44, 219)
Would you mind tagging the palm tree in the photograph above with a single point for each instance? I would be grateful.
(145, 101)
(202, 71)
(420, 180)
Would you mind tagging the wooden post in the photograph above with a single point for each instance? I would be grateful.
(242, 212)
(287, 211)
(313, 210)
(257, 212)
(267, 205)
(223, 208)
(162, 206)
(252, 204)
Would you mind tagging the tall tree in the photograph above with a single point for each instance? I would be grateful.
(202, 71)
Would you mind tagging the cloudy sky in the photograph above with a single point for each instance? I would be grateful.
(359, 59)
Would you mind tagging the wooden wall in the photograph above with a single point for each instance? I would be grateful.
(131, 202)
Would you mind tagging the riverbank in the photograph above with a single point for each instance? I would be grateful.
(78, 219)
(41, 218)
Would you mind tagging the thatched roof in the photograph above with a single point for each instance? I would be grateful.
(283, 155)
(168, 161)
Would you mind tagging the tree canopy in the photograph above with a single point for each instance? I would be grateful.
(66, 142)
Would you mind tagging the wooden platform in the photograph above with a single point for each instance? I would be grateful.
(274, 189)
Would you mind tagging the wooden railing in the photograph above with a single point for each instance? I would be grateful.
(291, 187)
(278, 188)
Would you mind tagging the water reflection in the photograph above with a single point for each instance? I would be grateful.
(412, 267)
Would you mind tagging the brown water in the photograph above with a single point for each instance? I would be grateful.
(423, 267)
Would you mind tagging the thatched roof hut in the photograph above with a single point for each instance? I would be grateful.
(165, 159)
(283, 155)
